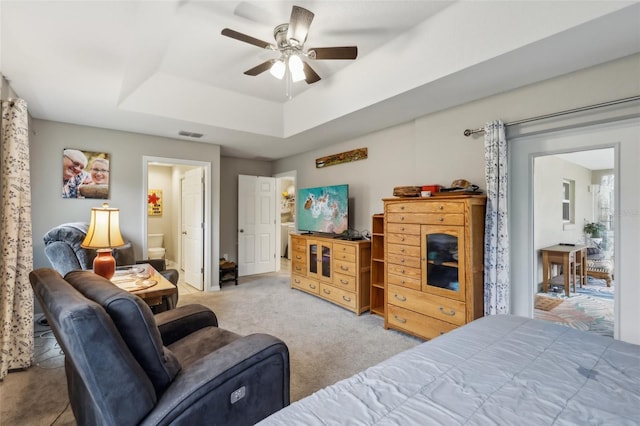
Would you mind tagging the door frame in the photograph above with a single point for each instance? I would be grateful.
(523, 152)
(207, 225)
(292, 174)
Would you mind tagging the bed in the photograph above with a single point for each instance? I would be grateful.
(499, 369)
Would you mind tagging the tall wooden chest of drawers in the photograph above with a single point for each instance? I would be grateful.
(333, 269)
(434, 263)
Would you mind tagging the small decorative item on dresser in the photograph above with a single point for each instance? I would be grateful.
(407, 191)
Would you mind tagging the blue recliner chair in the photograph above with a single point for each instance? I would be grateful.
(126, 366)
(62, 245)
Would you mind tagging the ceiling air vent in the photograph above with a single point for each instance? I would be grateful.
(190, 134)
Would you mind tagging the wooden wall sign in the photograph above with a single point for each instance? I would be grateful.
(343, 157)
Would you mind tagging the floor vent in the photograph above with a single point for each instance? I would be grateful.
(190, 134)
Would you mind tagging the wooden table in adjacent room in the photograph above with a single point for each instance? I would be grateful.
(143, 281)
(572, 258)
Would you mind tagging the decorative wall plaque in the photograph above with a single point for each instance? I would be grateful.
(343, 157)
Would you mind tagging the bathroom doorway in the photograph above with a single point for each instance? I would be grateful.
(164, 177)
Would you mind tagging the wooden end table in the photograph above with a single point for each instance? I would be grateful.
(145, 282)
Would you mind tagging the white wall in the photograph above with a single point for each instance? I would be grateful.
(433, 150)
(549, 173)
(126, 186)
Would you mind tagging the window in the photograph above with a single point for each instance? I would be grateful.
(568, 208)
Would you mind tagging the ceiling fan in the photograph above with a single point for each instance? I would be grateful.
(290, 39)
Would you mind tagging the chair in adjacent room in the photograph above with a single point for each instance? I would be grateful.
(63, 247)
(125, 366)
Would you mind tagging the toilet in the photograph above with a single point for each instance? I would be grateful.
(155, 246)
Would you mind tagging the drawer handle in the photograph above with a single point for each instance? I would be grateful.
(441, 333)
(401, 217)
(400, 298)
(297, 281)
(402, 250)
(298, 268)
(441, 219)
(401, 238)
(403, 282)
(298, 257)
(441, 207)
(344, 268)
(401, 320)
(346, 299)
(402, 229)
(401, 260)
(312, 286)
(401, 207)
(451, 312)
(343, 281)
(402, 270)
(325, 291)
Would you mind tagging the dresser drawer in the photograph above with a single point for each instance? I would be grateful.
(429, 218)
(404, 249)
(408, 239)
(345, 282)
(420, 325)
(405, 271)
(346, 257)
(298, 267)
(414, 283)
(339, 249)
(348, 268)
(305, 284)
(403, 228)
(430, 207)
(339, 296)
(438, 307)
(298, 244)
(400, 259)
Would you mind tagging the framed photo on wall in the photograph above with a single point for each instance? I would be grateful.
(85, 174)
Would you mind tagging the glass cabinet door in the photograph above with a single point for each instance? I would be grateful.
(319, 265)
(443, 261)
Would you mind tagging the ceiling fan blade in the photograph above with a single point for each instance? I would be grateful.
(310, 76)
(247, 39)
(260, 68)
(346, 52)
(299, 25)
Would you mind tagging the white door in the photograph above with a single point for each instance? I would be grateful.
(256, 225)
(193, 228)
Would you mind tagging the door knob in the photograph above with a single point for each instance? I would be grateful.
(242, 230)
(184, 232)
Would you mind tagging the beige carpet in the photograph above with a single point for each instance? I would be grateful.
(326, 344)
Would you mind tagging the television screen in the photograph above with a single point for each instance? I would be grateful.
(324, 209)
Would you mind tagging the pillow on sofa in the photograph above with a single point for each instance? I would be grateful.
(594, 253)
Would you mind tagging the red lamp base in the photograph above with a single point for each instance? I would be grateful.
(104, 264)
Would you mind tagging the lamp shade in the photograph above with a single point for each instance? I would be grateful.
(104, 229)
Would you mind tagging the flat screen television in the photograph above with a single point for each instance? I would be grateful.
(324, 209)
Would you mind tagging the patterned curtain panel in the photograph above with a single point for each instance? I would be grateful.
(497, 285)
(16, 258)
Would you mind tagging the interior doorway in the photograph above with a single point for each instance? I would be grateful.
(165, 177)
(574, 232)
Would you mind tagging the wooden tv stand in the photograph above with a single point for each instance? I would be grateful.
(333, 269)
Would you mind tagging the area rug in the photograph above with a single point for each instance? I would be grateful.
(589, 309)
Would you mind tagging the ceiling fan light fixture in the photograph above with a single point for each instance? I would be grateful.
(296, 67)
(278, 69)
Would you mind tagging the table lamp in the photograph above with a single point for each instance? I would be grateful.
(103, 235)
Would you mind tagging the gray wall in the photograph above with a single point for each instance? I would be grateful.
(126, 192)
(230, 168)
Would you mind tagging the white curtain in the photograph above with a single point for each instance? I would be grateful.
(497, 286)
(16, 258)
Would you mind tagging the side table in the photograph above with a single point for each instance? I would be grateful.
(228, 272)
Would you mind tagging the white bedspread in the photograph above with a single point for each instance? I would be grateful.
(502, 370)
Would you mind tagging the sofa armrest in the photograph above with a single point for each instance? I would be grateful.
(184, 320)
(240, 383)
